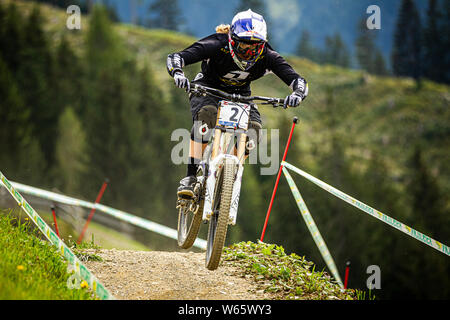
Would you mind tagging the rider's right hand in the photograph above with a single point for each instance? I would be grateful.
(181, 81)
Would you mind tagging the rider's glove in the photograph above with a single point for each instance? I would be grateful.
(293, 100)
(300, 88)
(181, 81)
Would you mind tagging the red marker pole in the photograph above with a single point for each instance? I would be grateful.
(294, 122)
(54, 219)
(99, 196)
(347, 268)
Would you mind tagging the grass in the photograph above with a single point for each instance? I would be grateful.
(288, 277)
(31, 268)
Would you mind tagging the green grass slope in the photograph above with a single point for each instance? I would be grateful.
(32, 269)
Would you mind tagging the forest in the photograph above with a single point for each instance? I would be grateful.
(79, 106)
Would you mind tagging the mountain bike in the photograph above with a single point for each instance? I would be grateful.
(219, 175)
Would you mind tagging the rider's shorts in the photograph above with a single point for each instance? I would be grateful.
(204, 109)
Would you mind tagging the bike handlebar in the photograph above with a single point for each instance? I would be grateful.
(198, 89)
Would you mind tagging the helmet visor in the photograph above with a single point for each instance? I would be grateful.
(248, 50)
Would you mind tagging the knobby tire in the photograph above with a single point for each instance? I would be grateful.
(218, 223)
(187, 232)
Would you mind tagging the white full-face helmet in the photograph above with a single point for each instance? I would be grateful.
(247, 38)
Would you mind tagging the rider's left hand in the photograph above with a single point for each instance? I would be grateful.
(293, 100)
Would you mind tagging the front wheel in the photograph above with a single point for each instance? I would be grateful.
(190, 215)
(218, 223)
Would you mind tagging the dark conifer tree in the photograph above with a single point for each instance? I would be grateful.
(165, 14)
(365, 47)
(305, 48)
(12, 40)
(336, 51)
(433, 46)
(445, 34)
(406, 52)
(35, 76)
(379, 64)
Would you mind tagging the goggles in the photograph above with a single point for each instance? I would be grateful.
(248, 50)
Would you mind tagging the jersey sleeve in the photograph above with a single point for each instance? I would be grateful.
(283, 70)
(198, 51)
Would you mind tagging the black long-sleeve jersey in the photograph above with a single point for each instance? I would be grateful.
(220, 71)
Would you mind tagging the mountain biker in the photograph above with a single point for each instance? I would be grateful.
(231, 58)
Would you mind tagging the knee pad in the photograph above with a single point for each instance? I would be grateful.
(253, 136)
(204, 124)
(208, 114)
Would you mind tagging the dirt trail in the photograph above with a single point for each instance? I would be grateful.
(157, 275)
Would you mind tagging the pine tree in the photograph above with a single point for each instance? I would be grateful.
(35, 74)
(104, 49)
(445, 33)
(12, 40)
(427, 200)
(335, 51)
(365, 47)
(429, 216)
(368, 55)
(406, 52)
(157, 120)
(165, 14)
(305, 48)
(20, 157)
(116, 120)
(15, 118)
(379, 64)
(68, 77)
(433, 46)
(70, 153)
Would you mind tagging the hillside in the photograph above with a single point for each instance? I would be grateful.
(382, 115)
(287, 18)
(383, 140)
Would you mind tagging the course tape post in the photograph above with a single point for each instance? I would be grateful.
(121, 215)
(320, 243)
(373, 212)
(74, 263)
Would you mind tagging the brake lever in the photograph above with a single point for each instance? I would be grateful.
(275, 103)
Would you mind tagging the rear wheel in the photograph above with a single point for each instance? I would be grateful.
(218, 223)
(190, 215)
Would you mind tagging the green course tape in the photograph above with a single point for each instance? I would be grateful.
(320, 243)
(79, 268)
(373, 212)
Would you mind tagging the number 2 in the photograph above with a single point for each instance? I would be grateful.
(233, 117)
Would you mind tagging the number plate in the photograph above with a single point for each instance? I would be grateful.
(234, 115)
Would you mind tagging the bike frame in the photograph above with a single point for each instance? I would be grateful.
(223, 147)
(214, 166)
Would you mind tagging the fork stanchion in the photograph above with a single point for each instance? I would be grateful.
(294, 122)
